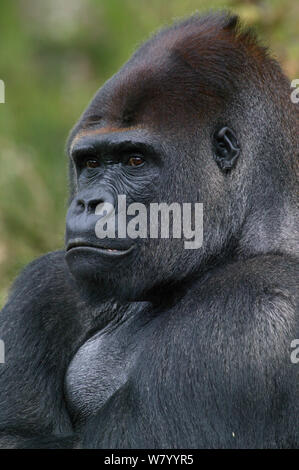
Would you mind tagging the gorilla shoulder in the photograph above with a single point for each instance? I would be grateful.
(42, 273)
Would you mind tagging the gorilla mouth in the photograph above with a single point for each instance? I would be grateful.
(111, 250)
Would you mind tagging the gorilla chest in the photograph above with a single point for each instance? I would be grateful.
(99, 368)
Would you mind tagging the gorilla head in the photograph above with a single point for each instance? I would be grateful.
(199, 113)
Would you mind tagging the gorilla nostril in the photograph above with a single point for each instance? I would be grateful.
(91, 206)
(80, 204)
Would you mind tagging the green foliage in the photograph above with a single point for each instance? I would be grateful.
(53, 57)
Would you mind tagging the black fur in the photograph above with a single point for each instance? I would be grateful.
(168, 347)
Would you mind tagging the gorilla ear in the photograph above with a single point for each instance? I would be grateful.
(226, 149)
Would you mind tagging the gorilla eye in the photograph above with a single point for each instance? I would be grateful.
(135, 160)
(92, 163)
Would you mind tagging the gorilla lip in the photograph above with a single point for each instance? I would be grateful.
(108, 251)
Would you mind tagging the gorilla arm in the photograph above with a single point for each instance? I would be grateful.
(40, 329)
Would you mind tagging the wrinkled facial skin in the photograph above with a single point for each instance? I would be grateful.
(122, 268)
(132, 163)
(108, 165)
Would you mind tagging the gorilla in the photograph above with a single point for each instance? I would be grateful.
(137, 342)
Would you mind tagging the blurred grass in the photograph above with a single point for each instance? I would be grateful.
(53, 57)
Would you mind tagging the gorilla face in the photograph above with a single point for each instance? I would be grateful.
(147, 137)
(109, 164)
(131, 164)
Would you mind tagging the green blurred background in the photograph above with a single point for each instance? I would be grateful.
(54, 54)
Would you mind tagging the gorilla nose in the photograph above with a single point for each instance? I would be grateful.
(84, 213)
(91, 206)
(88, 204)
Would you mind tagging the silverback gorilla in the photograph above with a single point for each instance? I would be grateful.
(139, 342)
